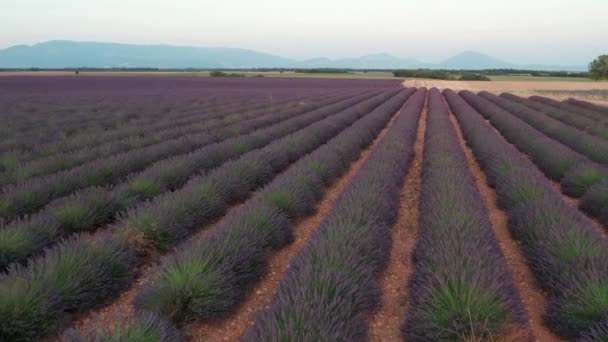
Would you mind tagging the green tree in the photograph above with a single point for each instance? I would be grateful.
(599, 68)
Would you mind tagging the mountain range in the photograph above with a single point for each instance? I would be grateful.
(71, 54)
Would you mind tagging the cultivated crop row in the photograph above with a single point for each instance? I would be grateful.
(86, 270)
(588, 125)
(572, 108)
(31, 195)
(136, 134)
(58, 101)
(216, 270)
(603, 110)
(566, 253)
(61, 161)
(331, 285)
(87, 121)
(87, 209)
(575, 172)
(594, 148)
(461, 288)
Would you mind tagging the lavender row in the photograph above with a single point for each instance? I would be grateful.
(86, 270)
(555, 159)
(585, 124)
(35, 96)
(594, 148)
(74, 105)
(597, 333)
(566, 253)
(235, 254)
(169, 217)
(92, 207)
(91, 128)
(162, 117)
(576, 173)
(588, 105)
(130, 134)
(144, 326)
(331, 285)
(461, 288)
(62, 161)
(30, 196)
(595, 201)
(144, 110)
(571, 108)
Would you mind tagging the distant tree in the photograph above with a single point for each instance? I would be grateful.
(423, 73)
(473, 77)
(599, 68)
(217, 73)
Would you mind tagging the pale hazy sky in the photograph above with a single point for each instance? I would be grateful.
(520, 31)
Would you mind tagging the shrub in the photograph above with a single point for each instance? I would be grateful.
(423, 73)
(21, 237)
(473, 77)
(74, 275)
(144, 326)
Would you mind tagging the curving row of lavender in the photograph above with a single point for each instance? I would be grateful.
(461, 288)
(565, 251)
(92, 207)
(331, 286)
(594, 148)
(86, 270)
(173, 116)
(574, 171)
(136, 96)
(571, 108)
(591, 126)
(590, 107)
(216, 270)
(97, 107)
(168, 129)
(30, 196)
(111, 118)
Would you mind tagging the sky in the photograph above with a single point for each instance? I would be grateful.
(519, 31)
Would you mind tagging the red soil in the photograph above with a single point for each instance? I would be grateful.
(386, 321)
(533, 298)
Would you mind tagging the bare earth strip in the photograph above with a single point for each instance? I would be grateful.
(533, 298)
(386, 322)
(259, 297)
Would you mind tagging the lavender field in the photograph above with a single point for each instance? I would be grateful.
(278, 209)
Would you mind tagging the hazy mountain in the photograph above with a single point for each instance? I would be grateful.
(66, 54)
(60, 54)
(377, 61)
(471, 60)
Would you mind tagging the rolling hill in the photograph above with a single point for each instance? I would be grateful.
(70, 54)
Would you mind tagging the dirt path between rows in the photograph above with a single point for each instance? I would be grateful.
(533, 298)
(261, 294)
(386, 322)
